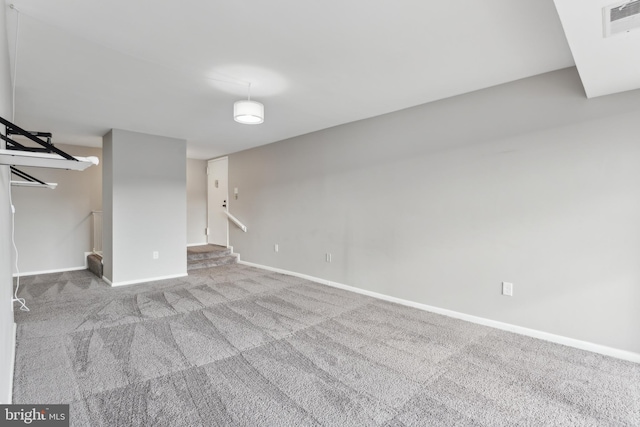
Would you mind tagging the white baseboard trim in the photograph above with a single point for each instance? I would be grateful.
(59, 270)
(546, 336)
(135, 282)
(196, 244)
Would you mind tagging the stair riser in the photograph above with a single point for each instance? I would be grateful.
(208, 263)
(208, 255)
(94, 263)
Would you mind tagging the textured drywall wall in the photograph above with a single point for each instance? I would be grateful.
(144, 188)
(107, 204)
(6, 290)
(527, 182)
(196, 201)
(6, 287)
(54, 227)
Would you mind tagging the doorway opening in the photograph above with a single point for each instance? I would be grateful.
(218, 202)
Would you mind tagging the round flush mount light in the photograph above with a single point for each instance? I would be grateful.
(248, 112)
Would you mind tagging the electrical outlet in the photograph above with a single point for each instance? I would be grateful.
(275, 247)
(327, 257)
(507, 289)
(156, 254)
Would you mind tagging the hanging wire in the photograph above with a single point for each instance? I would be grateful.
(23, 304)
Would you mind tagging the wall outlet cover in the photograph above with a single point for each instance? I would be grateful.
(507, 289)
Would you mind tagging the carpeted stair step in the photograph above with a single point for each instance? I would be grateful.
(208, 256)
(94, 262)
(215, 252)
(211, 262)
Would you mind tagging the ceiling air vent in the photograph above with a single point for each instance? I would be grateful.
(621, 17)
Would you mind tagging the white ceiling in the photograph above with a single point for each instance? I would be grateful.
(606, 64)
(174, 68)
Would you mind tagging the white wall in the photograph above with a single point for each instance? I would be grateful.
(7, 345)
(107, 204)
(145, 207)
(45, 247)
(196, 201)
(54, 227)
(527, 182)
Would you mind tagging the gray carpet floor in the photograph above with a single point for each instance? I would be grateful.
(239, 346)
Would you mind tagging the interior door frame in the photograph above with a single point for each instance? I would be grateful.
(211, 203)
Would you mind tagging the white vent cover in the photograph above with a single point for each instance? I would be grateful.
(621, 17)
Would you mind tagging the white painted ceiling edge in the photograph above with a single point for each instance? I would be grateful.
(606, 65)
(176, 68)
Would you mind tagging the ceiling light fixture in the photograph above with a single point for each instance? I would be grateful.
(248, 112)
